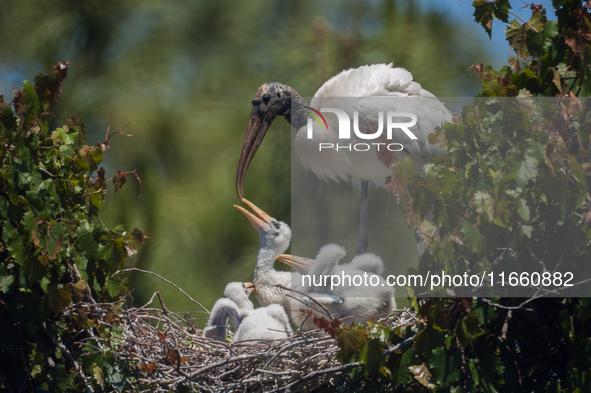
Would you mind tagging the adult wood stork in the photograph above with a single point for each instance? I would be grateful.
(363, 84)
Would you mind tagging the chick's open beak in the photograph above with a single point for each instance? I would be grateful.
(249, 287)
(258, 218)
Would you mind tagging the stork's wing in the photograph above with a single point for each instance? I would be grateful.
(323, 298)
(430, 113)
(218, 320)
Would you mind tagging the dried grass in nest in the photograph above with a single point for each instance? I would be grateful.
(166, 351)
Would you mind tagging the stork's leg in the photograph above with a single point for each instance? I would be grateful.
(420, 243)
(418, 236)
(421, 246)
(362, 242)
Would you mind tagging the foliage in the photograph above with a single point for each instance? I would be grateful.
(56, 253)
(184, 74)
(513, 194)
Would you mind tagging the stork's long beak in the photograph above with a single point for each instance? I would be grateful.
(299, 264)
(258, 124)
(249, 287)
(258, 218)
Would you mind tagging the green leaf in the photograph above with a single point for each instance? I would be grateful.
(447, 217)
(29, 222)
(87, 243)
(577, 170)
(6, 282)
(60, 380)
(114, 285)
(468, 328)
(370, 355)
(14, 242)
(487, 371)
(427, 339)
(444, 368)
(501, 10)
(473, 239)
(97, 199)
(115, 253)
(523, 210)
(516, 36)
(551, 29)
(97, 374)
(483, 14)
(526, 170)
(526, 230)
(348, 342)
(484, 205)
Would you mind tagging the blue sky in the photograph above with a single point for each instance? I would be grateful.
(462, 11)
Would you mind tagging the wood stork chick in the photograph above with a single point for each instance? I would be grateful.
(234, 306)
(366, 83)
(274, 238)
(376, 300)
(261, 324)
(268, 323)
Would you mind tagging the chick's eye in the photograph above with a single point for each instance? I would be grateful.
(276, 224)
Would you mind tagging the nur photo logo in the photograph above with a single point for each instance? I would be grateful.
(393, 121)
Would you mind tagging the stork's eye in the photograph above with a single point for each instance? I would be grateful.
(266, 98)
(275, 224)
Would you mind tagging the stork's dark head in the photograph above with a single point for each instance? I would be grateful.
(271, 100)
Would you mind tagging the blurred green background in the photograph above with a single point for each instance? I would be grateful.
(183, 73)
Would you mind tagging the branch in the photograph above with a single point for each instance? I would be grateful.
(65, 350)
(135, 269)
(523, 20)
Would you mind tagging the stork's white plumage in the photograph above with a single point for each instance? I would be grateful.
(274, 238)
(234, 306)
(367, 86)
(253, 325)
(368, 262)
(324, 264)
(362, 301)
(364, 86)
(268, 323)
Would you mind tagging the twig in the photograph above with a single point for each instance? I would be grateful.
(224, 362)
(93, 210)
(310, 297)
(65, 350)
(318, 373)
(523, 20)
(135, 269)
(23, 356)
(287, 372)
(270, 361)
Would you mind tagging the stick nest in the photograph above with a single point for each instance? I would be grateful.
(167, 352)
